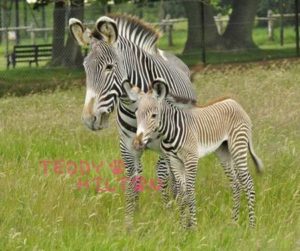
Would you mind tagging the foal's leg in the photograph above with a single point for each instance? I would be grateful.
(163, 174)
(238, 149)
(178, 170)
(191, 172)
(227, 164)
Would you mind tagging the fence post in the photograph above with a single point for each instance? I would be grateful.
(270, 25)
(6, 39)
(281, 24)
(17, 21)
(297, 26)
(169, 29)
(44, 21)
(32, 34)
(203, 32)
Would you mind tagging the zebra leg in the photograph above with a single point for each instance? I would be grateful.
(163, 174)
(239, 149)
(165, 177)
(133, 170)
(191, 172)
(177, 169)
(173, 186)
(226, 162)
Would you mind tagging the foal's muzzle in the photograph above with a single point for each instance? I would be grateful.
(140, 142)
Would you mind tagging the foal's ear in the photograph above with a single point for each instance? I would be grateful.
(81, 34)
(107, 27)
(131, 91)
(160, 88)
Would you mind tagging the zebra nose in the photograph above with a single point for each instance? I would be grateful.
(89, 121)
(138, 142)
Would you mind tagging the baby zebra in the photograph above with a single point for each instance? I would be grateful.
(191, 133)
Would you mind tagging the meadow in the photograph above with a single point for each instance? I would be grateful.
(59, 207)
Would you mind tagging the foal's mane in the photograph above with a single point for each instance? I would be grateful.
(137, 31)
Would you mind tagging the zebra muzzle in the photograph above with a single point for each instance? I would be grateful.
(138, 143)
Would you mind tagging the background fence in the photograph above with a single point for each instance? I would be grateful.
(196, 31)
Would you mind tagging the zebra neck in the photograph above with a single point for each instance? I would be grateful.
(170, 120)
(127, 106)
(137, 64)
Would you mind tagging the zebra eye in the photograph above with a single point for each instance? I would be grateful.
(153, 115)
(109, 67)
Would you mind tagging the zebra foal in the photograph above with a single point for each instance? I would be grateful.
(190, 133)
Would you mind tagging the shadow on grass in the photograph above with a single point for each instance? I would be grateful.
(240, 56)
(23, 81)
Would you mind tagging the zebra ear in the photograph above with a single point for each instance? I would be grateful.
(160, 89)
(107, 27)
(82, 35)
(131, 91)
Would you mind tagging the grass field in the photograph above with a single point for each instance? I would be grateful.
(48, 211)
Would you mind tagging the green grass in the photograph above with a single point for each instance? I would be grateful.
(22, 81)
(48, 212)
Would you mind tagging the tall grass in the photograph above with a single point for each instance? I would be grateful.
(48, 212)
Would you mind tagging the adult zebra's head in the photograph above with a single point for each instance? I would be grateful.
(103, 68)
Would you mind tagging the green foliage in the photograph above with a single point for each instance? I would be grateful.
(174, 8)
(40, 3)
(277, 6)
(222, 6)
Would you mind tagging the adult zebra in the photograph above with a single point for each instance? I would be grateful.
(123, 48)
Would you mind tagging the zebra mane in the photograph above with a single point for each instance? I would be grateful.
(181, 101)
(214, 101)
(137, 31)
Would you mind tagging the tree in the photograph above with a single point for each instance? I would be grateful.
(58, 32)
(5, 9)
(73, 56)
(68, 54)
(240, 36)
(193, 10)
(235, 36)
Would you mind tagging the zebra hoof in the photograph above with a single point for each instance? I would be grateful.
(128, 228)
(191, 226)
(129, 225)
(169, 204)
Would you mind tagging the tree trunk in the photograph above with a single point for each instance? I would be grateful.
(73, 56)
(58, 32)
(212, 39)
(238, 34)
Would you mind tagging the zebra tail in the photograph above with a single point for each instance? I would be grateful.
(257, 161)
